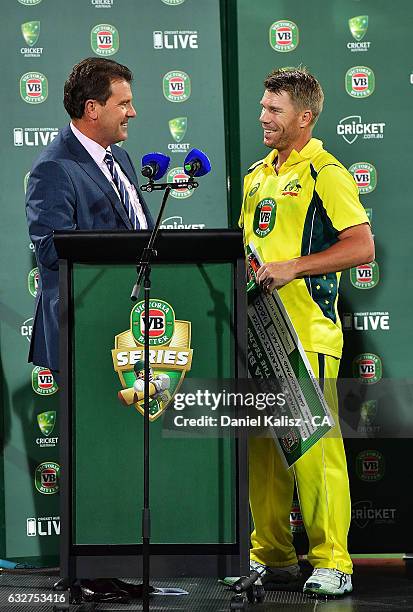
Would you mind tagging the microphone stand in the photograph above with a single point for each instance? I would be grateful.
(144, 275)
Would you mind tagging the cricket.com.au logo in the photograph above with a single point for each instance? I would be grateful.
(365, 175)
(370, 466)
(358, 28)
(368, 368)
(30, 2)
(365, 276)
(173, 2)
(284, 36)
(46, 477)
(364, 513)
(34, 87)
(360, 82)
(176, 86)
(170, 356)
(350, 128)
(31, 32)
(104, 39)
(46, 422)
(33, 277)
(264, 217)
(177, 175)
(26, 329)
(177, 128)
(43, 382)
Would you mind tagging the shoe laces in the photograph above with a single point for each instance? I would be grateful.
(330, 572)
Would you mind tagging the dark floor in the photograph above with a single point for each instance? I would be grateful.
(377, 588)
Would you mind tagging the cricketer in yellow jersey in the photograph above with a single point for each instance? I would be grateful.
(302, 212)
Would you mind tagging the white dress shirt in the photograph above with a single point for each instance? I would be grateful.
(97, 153)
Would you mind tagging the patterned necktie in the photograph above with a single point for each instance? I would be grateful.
(123, 192)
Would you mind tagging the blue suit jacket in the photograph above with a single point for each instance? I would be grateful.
(67, 191)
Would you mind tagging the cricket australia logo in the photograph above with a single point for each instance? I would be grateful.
(170, 357)
(264, 217)
(292, 188)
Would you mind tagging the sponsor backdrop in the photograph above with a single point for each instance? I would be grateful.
(174, 51)
(351, 47)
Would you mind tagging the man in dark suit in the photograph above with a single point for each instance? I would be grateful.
(82, 180)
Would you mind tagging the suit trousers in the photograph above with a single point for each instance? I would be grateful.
(322, 485)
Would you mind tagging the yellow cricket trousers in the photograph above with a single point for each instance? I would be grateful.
(323, 490)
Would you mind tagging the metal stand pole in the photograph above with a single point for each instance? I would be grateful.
(146, 512)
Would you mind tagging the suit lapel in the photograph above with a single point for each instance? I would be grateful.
(127, 169)
(88, 164)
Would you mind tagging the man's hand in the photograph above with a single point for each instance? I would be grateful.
(354, 246)
(276, 274)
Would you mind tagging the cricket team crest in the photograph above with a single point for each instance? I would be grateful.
(170, 356)
(358, 26)
(178, 127)
(46, 422)
(292, 188)
(31, 32)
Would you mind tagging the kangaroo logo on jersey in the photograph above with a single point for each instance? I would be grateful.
(264, 218)
(367, 367)
(365, 175)
(292, 188)
(360, 82)
(365, 276)
(284, 36)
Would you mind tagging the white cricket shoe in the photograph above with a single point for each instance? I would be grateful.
(329, 582)
(278, 575)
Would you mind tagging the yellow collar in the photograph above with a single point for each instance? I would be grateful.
(312, 147)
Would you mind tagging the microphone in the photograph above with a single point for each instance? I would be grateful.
(155, 165)
(196, 163)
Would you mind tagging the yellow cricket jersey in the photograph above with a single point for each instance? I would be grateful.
(298, 212)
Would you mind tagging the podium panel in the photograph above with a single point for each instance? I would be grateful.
(192, 480)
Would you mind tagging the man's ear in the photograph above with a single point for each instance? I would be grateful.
(306, 118)
(91, 111)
